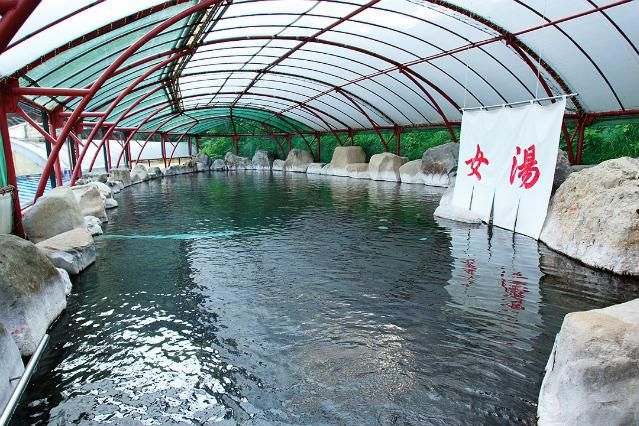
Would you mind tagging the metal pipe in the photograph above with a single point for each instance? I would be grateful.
(24, 381)
(549, 98)
(49, 91)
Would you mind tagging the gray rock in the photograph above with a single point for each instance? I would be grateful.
(90, 200)
(441, 160)
(263, 160)
(278, 164)
(115, 185)
(10, 367)
(138, 173)
(592, 375)
(562, 170)
(385, 166)
(72, 251)
(235, 162)
(190, 166)
(121, 174)
(593, 216)
(201, 167)
(203, 159)
(173, 170)
(411, 172)
(343, 156)
(446, 210)
(218, 166)
(298, 160)
(315, 168)
(154, 172)
(358, 171)
(6, 212)
(93, 177)
(32, 292)
(56, 212)
(92, 225)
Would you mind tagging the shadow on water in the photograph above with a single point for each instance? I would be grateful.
(260, 298)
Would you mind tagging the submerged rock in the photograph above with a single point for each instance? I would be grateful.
(235, 162)
(122, 175)
(386, 166)
(357, 171)
(90, 200)
(263, 160)
(92, 225)
(298, 160)
(343, 156)
(446, 210)
(72, 251)
(594, 216)
(54, 213)
(315, 168)
(592, 375)
(439, 164)
(32, 292)
(278, 164)
(218, 166)
(138, 173)
(10, 367)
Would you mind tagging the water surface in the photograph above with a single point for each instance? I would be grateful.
(292, 299)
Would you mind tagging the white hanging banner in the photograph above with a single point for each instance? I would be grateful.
(507, 160)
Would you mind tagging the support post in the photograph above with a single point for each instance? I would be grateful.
(318, 140)
(164, 148)
(190, 147)
(288, 142)
(583, 123)
(197, 144)
(351, 135)
(47, 145)
(397, 130)
(11, 171)
(236, 139)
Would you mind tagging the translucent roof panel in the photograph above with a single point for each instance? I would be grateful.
(329, 64)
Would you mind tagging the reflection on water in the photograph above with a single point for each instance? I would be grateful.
(293, 299)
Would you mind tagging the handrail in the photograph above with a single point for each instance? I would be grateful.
(24, 381)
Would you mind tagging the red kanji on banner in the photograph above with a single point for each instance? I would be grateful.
(475, 162)
(527, 171)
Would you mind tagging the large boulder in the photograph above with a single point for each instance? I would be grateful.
(345, 155)
(72, 251)
(138, 173)
(386, 166)
(263, 160)
(173, 170)
(107, 195)
(592, 375)
(357, 171)
(411, 172)
(32, 292)
(439, 164)
(190, 166)
(10, 367)
(562, 169)
(218, 166)
(154, 172)
(298, 160)
(56, 212)
(446, 210)
(235, 162)
(278, 164)
(92, 177)
(315, 168)
(594, 216)
(90, 200)
(204, 160)
(115, 185)
(121, 174)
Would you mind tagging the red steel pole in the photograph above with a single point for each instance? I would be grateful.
(11, 171)
(13, 18)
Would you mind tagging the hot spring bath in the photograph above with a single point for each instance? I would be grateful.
(259, 298)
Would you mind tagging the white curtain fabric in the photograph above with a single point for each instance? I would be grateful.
(507, 160)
